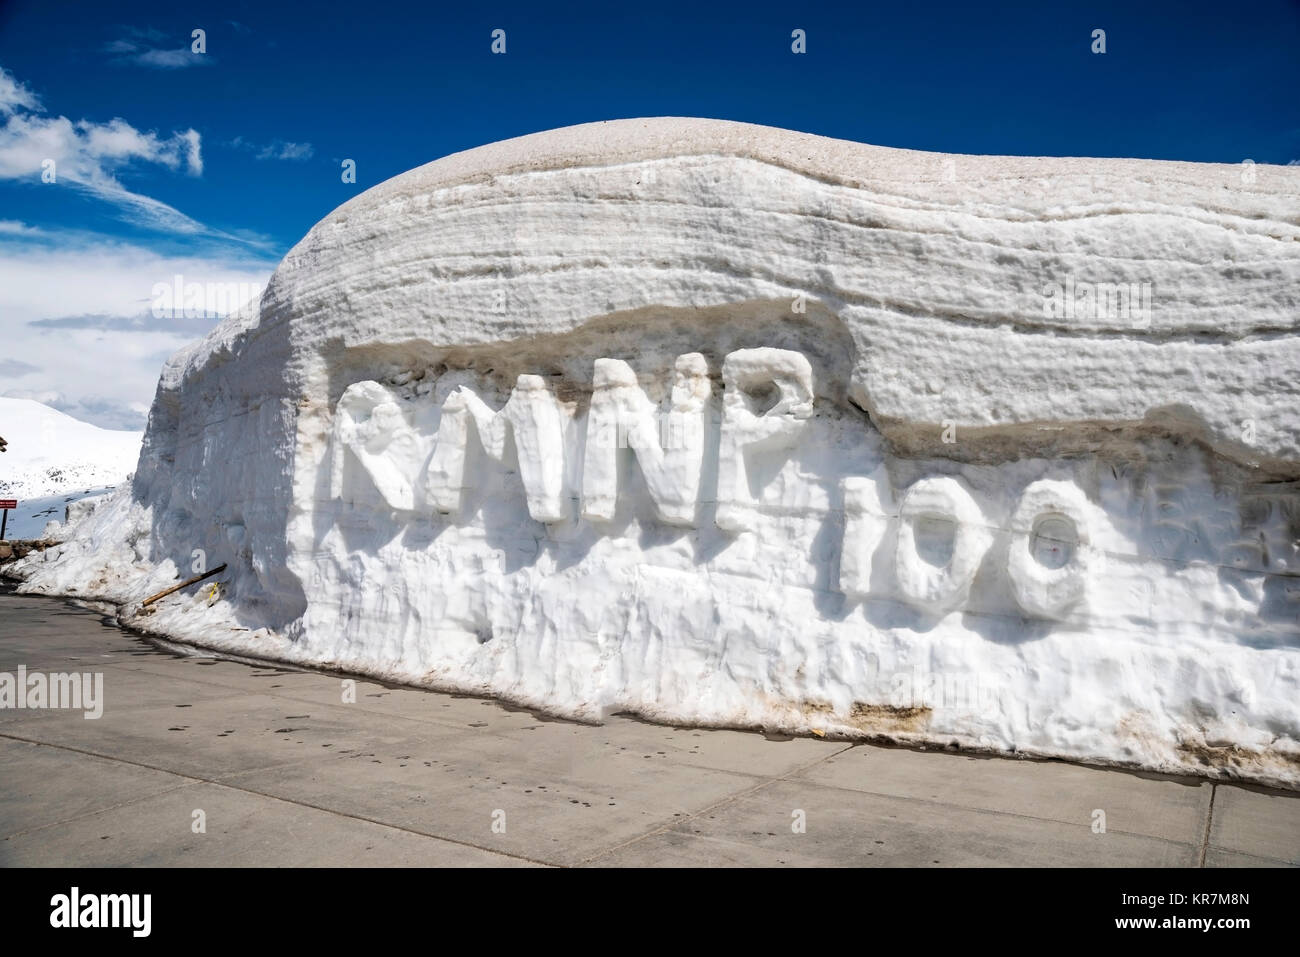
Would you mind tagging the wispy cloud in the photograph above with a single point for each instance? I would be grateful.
(73, 304)
(275, 150)
(88, 155)
(142, 47)
(14, 96)
(14, 227)
(15, 368)
(146, 321)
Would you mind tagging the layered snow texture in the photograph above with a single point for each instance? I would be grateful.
(724, 424)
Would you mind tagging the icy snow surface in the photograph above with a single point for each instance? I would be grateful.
(725, 424)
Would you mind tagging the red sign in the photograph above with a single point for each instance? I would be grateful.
(8, 503)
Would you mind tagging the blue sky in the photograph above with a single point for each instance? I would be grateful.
(213, 165)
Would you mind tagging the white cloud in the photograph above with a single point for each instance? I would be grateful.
(193, 153)
(15, 96)
(139, 47)
(88, 155)
(16, 368)
(105, 371)
(287, 151)
(276, 149)
(75, 314)
(169, 59)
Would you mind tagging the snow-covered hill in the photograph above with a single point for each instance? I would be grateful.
(50, 453)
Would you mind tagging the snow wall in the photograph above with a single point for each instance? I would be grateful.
(731, 425)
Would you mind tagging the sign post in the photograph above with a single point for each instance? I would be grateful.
(5, 505)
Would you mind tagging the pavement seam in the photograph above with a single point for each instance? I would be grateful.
(98, 810)
(1209, 821)
(985, 810)
(193, 779)
(728, 799)
(790, 776)
(909, 799)
(1264, 858)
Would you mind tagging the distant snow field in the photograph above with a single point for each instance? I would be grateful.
(52, 459)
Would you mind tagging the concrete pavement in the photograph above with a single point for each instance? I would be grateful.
(279, 770)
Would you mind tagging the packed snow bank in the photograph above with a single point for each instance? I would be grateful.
(725, 424)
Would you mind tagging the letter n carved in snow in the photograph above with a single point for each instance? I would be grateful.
(671, 457)
(533, 417)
